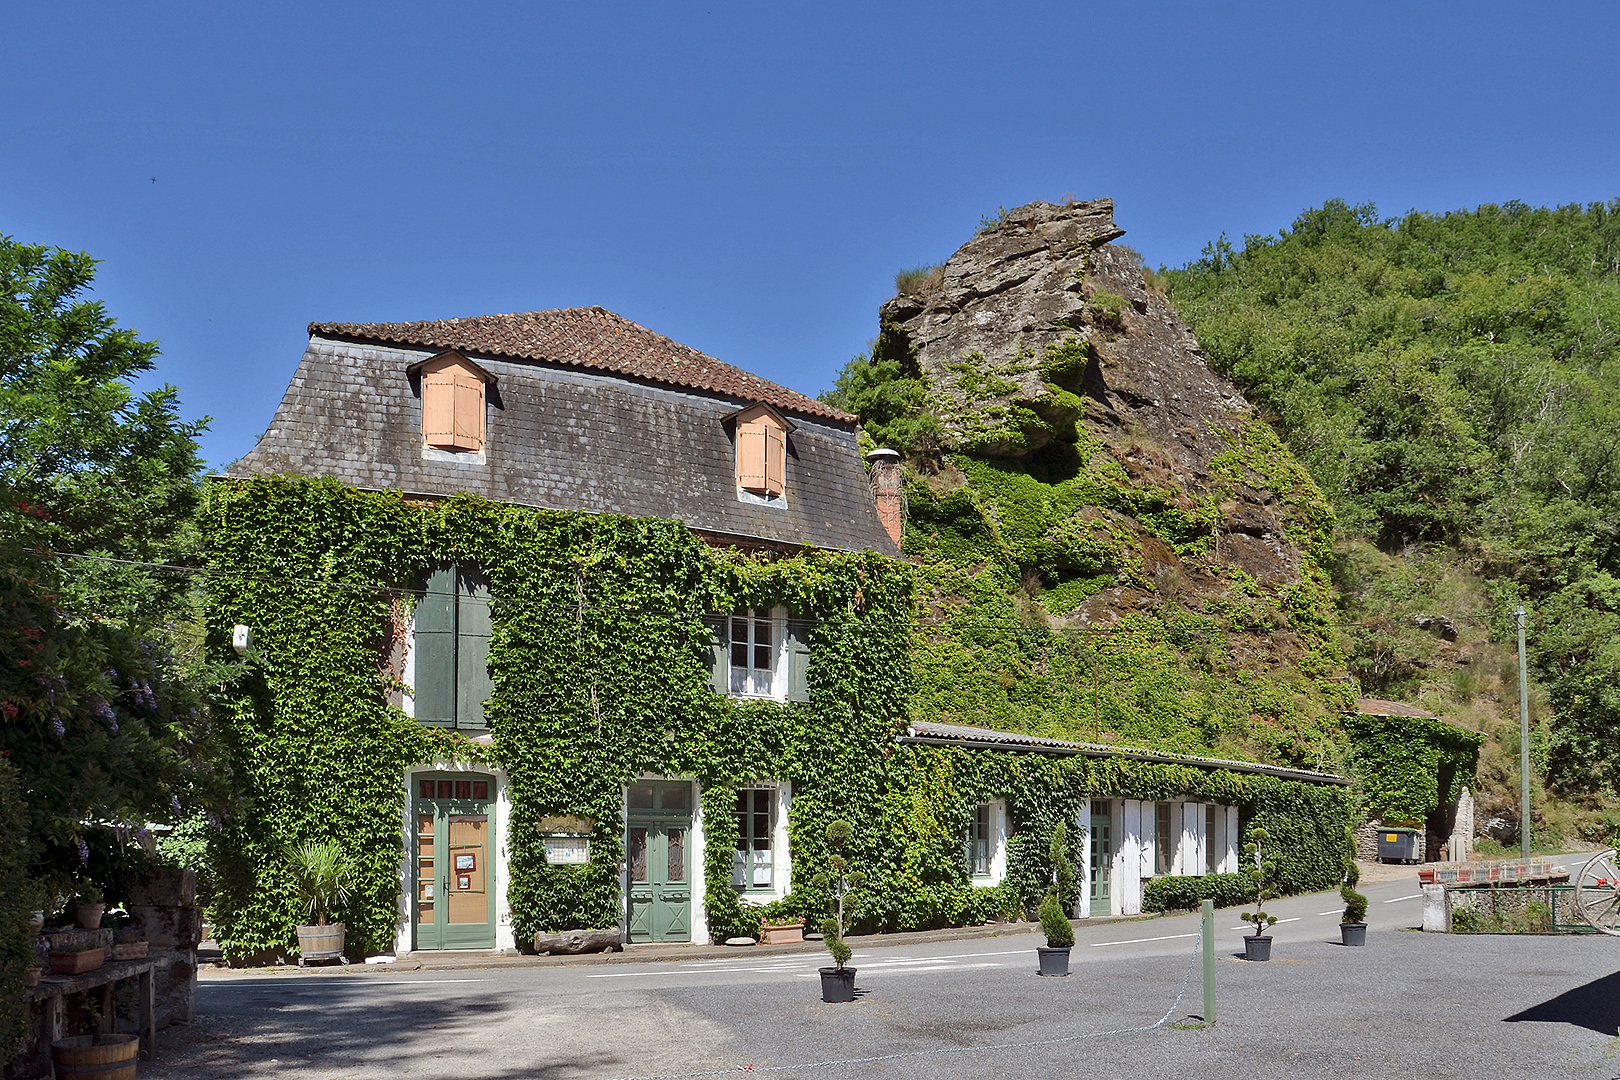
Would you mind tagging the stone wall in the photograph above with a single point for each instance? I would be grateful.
(163, 903)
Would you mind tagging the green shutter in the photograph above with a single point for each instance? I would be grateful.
(435, 688)
(473, 684)
(798, 647)
(719, 648)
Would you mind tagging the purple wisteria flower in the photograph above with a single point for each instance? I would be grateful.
(84, 851)
(104, 710)
(58, 727)
(174, 803)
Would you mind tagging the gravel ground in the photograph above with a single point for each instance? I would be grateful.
(1408, 1005)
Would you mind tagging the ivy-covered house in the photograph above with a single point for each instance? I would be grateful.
(555, 619)
(560, 624)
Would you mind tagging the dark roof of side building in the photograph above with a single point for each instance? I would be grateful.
(1370, 706)
(587, 337)
(929, 732)
(572, 435)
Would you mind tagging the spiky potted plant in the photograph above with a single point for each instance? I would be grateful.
(1257, 946)
(838, 981)
(322, 875)
(1353, 924)
(1055, 924)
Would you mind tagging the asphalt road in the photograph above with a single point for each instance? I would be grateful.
(1407, 1005)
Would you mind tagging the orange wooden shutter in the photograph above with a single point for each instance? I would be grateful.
(438, 408)
(751, 456)
(469, 409)
(775, 459)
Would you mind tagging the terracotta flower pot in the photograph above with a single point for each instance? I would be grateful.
(783, 933)
(77, 963)
(88, 916)
(31, 975)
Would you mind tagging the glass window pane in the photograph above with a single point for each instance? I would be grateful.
(639, 796)
(463, 789)
(742, 801)
(677, 855)
(481, 789)
(638, 854)
(675, 796)
(739, 653)
(424, 789)
(445, 787)
(762, 632)
(762, 656)
(739, 630)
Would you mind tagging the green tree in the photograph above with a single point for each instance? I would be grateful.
(99, 718)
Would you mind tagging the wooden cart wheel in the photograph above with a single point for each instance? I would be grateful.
(1597, 893)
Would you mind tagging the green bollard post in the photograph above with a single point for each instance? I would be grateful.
(1209, 961)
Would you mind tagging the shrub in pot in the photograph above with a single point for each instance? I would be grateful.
(1353, 924)
(88, 906)
(1257, 946)
(321, 875)
(1055, 924)
(838, 982)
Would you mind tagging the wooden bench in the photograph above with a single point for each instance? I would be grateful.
(54, 989)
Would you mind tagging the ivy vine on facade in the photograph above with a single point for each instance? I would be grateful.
(561, 624)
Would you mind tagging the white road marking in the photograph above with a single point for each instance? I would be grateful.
(1139, 941)
(1247, 926)
(1398, 899)
(1335, 911)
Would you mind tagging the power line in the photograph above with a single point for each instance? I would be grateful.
(574, 608)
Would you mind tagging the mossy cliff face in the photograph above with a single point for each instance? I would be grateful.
(1114, 547)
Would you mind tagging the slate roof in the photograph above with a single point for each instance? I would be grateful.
(587, 337)
(927, 731)
(569, 435)
(1370, 706)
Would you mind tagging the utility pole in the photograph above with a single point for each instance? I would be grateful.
(1207, 909)
(1524, 743)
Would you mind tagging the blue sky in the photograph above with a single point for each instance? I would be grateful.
(743, 178)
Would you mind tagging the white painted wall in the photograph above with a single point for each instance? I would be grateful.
(700, 910)
(1128, 859)
(1083, 908)
(502, 833)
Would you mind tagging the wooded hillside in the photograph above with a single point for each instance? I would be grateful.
(1450, 381)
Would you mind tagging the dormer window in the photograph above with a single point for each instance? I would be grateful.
(453, 390)
(762, 451)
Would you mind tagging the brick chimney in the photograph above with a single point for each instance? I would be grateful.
(889, 491)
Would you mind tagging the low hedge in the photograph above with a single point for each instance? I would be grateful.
(1186, 893)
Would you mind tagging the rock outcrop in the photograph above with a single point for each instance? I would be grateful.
(1043, 343)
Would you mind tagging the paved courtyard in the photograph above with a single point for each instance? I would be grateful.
(1407, 1005)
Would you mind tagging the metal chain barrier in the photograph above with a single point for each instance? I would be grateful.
(1186, 980)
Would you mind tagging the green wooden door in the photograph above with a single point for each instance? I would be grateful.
(454, 843)
(1102, 859)
(658, 829)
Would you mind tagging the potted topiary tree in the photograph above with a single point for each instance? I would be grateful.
(838, 981)
(1257, 946)
(1353, 924)
(1055, 924)
(322, 875)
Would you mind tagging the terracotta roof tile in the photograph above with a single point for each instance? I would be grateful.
(588, 337)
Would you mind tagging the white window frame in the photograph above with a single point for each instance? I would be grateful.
(741, 865)
(748, 685)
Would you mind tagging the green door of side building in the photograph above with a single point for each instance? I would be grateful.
(454, 843)
(1102, 858)
(658, 828)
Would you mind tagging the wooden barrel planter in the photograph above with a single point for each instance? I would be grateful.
(96, 1057)
(322, 942)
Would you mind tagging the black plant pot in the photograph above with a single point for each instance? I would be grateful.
(1256, 947)
(1354, 933)
(837, 984)
(1053, 961)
